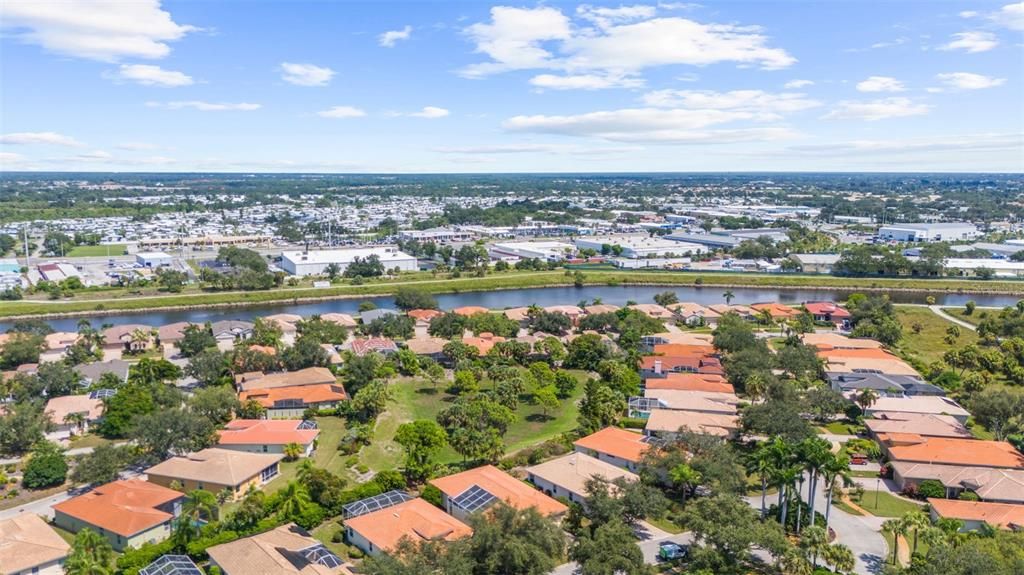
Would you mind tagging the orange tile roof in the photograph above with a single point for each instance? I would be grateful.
(264, 349)
(683, 349)
(776, 309)
(423, 314)
(266, 432)
(1003, 515)
(469, 310)
(484, 342)
(415, 519)
(616, 442)
(950, 451)
(690, 382)
(125, 507)
(322, 393)
(501, 485)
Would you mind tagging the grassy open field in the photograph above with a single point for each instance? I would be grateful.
(888, 505)
(96, 251)
(123, 300)
(975, 318)
(418, 399)
(929, 344)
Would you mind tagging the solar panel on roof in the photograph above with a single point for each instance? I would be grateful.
(474, 499)
(101, 393)
(171, 565)
(320, 554)
(375, 503)
(307, 424)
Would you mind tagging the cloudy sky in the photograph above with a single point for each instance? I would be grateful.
(145, 85)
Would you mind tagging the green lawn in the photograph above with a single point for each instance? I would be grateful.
(842, 428)
(888, 505)
(417, 399)
(325, 532)
(929, 345)
(88, 440)
(975, 318)
(96, 251)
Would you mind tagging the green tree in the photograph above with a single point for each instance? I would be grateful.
(408, 298)
(372, 399)
(168, 432)
(601, 406)
(610, 550)
(217, 404)
(475, 426)
(586, 352)
(91, 554)
(252, 409)
(20, 349)
(209, 367)
(304, 354)
(506, 540)
(422, 440)
(22, 425)
(666, 298)
(46, 466)
(195, 339)
(728, 529)
(153, 371)
(547, 399)
(99, 466)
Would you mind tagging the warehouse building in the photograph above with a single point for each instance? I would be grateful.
(938, 232)
(547, 251)
(642, 246)
(311, 263)
(153, 259)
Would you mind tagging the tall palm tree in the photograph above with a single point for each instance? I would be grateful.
(294, 500)
(686, 477)
(728, 295)
(76, 420)
(761, 464)
(836, 468)
(917, 521)
(755, 386)
(814, 542)
(304, 470)
(199, 505)
(840, 557)
(896, 528)
(816, 453)
(141, 337)
(866, 398)
(91, 554)
(785, 477)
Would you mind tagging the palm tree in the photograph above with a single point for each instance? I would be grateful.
(814, 542)
(199, 505)
(292, 451)
(755, 386)
(304, 470)
(760, 463)
(917, 521)
(225, 495)
(76, 420)
(866, 398)
(840, 557)
(816, 453)
(896, 529)
(786, 477)
(294, 500)
(793, 562)
(686, 478)
(837, 467)
(728, 295)
(91, 554)
(141, 337)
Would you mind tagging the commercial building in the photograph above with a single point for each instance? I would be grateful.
(641, 246)
(129, 513)
(979, 266)
(217, 469)
(311, 263)
(153, 259)
(437, 235)
(712, 241)
(816, 263)
(473, 490)
(547, 251)
(29, 545)
(929, 232)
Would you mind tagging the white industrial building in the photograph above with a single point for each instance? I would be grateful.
(437, 235)
(970, 266)
(547, 251)
(937, 232)
(311, 263)
(642, 246)
(153, 259)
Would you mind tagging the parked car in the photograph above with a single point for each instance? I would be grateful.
(669, 551)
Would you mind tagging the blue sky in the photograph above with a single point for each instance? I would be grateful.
(108, 85)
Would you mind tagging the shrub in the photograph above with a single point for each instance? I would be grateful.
(632, 422)
(355, 553)
(432, 495)
(968, 496)
(931, 488)
(389, 480)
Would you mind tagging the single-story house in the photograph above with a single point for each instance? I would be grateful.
(990, 484)
(172, 333)
(269, 435)
(127, 512)
(653, 310)
(919, 404)
(286, 321)
(64, 413)
(292, 401)
(517, 314)
(829, 312)
(230, 331)
(284, 550)
(308, 376)
(923, 424)
(826, 341)
(432, 347)
(667, 423)
(476, 489)
(470, 310)
(215, 469)
(883, 384)
(363, 346)
(372, 315)
(694, 314)
(484, 342)
(129, 337)
(835, 363)
(702, 401)
(598, 308)
(620, 447)
(745, 312)
(690, 382)
(342, 319)
(975, 514)
(573, 312)
(776, 310)
(567, 476)
(423, 316)
(380, 531)
(908, 447)
(92, 372)
(29, 545)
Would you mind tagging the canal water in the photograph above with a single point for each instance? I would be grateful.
(617, 295)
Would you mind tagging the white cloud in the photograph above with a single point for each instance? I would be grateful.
(305, 74)
(105, 30)
(585, 82)
(969, 81)
(655, 125)
(876, 109)
(11, 158)
(431, 113)
(342, 112)
(137, 146)
(391, 37)
(503, 149)
(1010, 16)
(968, 14)
(972, 42)
(206, 106)
(959, 142)
(881, 84)
(93, 156)
(756, 104)
(797, 84)
(149, 75)
(40, 138)
(623, 42)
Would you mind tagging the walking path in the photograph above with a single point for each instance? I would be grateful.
(941, 313)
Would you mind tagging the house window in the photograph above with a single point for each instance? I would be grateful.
(265, 449)
(268, 473)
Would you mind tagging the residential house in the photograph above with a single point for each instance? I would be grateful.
(574, 313)
(269, 435)
(988, 483)
(520, 315)
(129, 512)
(229, 332)
(172, 333)
(129, 338)
(694, 314)
(216, 469)
(620, 447)
(372, 315)
(828, 341)
(746, 312)
(342, 319)
(380, 531)
(291, 402)
(92, 372)
(919, 404)
(600, 308)
(73, 414)
(776, 310)
(911, 448)
(653, 310)
(285, 550)
(880, 364)
(432, 347)
(484, 342)
(567, 476)
(690, 382)
(473, 490)
(363, 346)
(470, 310)
(423, 316)
(883, 384)
(668, 423)
(308, 376)
(57, 344)
(706, 402)
(29, 545)
(923, 424)
(976, 514)
(829, 312)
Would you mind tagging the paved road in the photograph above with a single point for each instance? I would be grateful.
(939, 312)
(69, 453)
(651, 538)
(44, 507)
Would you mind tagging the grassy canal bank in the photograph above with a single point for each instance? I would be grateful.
(111, 301)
